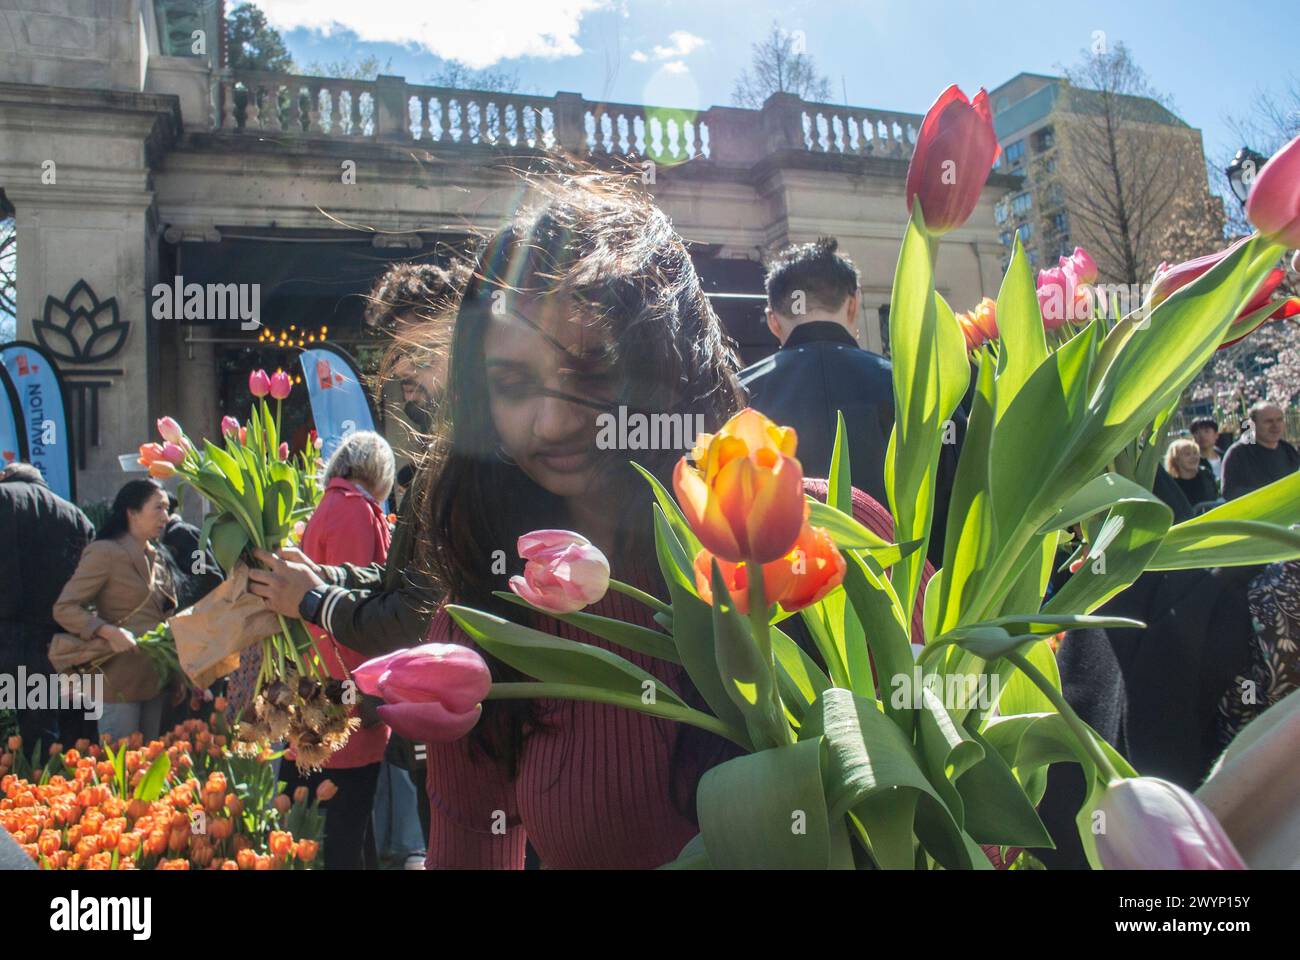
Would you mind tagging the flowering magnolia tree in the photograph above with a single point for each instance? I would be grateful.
(1054, 471)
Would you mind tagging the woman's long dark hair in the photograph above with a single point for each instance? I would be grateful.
(133, 495)
(600, 240)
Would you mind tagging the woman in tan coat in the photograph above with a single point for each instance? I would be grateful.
(123, 586)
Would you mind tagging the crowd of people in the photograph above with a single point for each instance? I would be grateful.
(602, 308)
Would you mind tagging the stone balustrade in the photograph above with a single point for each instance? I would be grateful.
(390, 109)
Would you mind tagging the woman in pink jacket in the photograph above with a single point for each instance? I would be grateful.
(349, 526)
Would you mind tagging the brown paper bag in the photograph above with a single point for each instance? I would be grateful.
(68, 651)
(210, 634)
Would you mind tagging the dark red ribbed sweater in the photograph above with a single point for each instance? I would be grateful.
(593, 786)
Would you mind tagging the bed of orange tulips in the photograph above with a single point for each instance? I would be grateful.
(165, 805)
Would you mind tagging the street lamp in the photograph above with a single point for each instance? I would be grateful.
(1243, 170)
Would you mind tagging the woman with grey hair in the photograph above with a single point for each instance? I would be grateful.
(350, 526)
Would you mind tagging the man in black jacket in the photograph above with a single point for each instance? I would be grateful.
(1251, 464)
(812, 308)
(41, 538)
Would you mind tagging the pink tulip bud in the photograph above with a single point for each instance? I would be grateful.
(259, 384)
(173, 453)
(431, 692)
(955, 151)
(170, 430)
(1274, 202)
(283, 451)
(564, 572)
(229, 427)
(1085, 270)
(1151, 824)
(281, 385)
(1062, 297)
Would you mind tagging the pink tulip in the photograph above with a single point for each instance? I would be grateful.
(173, 453)
(259, 384)
(431, 692)
(283, 451)
(281, 385)
(1151, 824)
(564, 572)
(229, 427)
(1082, 264)
(170, 430)
(955, 150)
(1062, 295)
(1274, 202)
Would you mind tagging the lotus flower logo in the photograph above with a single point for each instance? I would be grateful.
(79, 328)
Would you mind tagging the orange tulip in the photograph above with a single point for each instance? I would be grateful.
(980, 323)
(744, 495)
(283, 803)
(813, 568)
(280, 844)
(326, 790)
(306, 850)
(246, 859)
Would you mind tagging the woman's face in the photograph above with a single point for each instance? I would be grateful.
(1188, 459)
(150, 520)
(535, 348)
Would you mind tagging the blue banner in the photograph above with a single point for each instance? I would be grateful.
(13, 440)
(338, 400)
(43, 413)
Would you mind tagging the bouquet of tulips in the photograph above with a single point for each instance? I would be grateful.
(259, 497)
(839, 771)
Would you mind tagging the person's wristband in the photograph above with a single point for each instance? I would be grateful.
(309, 607)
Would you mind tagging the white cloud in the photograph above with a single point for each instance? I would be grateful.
(676, 66)
(681, 44)
(478, 33)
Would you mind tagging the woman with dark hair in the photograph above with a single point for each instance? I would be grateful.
(587, 304)
(123, 585)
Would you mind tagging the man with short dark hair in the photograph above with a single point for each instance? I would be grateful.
(1255, 462)
(1205, 431)
(41, 538)
(812, 308)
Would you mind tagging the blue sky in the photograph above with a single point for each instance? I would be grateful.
(1212, 58)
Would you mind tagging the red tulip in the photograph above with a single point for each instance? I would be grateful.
(229, 427)
(431, 692)
(564, 573)
(170, 430)
(1151, 824)
(281, 385)
(259, 384)
(744, 495)
(955, 150)
(1273, 205)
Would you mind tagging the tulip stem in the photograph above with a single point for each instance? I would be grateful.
(628, 590)
(1081, 730)
(578, 691)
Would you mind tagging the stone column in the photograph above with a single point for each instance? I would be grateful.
(76, 166)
